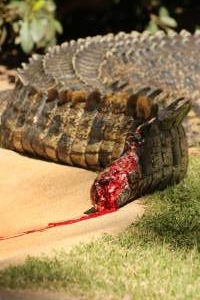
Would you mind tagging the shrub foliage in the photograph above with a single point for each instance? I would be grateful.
(31, 24)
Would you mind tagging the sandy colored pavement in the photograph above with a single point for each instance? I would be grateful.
(35, 192)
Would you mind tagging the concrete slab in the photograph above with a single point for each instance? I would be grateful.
(34, 193)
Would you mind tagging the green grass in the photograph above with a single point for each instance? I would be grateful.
(157, 258)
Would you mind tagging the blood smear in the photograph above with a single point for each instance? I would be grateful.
(104, 192)
(61, 223)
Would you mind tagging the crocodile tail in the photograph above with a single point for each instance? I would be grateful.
(4, 99)
(156, 158)
(174, 114)
(170, 116)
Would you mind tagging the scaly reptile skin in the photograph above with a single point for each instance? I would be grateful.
(80, 103)
(155, 157)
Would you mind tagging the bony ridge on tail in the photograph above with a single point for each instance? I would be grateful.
(155, 152)
(156, 156)
(83, 102)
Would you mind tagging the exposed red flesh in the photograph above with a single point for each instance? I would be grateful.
(113, 181)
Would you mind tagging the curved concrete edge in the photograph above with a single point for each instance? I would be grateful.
(34, 193)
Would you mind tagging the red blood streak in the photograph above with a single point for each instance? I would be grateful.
(61, 223)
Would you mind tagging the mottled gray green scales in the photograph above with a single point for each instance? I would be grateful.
(77, 103)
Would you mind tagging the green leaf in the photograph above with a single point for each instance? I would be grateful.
(152, 27)
(38, 5)
(37, 29)
(58, 26)
(50, 6)
(168, 21)
(3, 35)
(21, 6)
(1, 21)
(50, 33)
(15, 26)
(163, 12)
(17, 40)
(26, 40)
(33, 22)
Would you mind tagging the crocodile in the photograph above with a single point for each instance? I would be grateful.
(112, 103)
